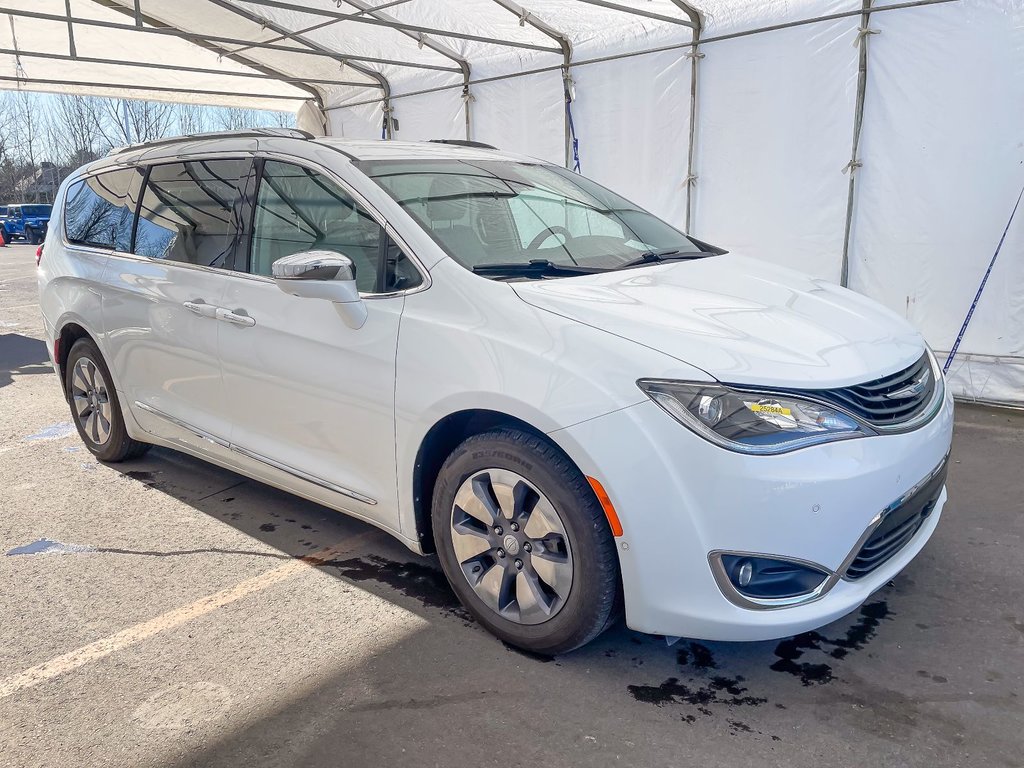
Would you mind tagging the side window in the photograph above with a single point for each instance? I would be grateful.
(98, 211)
(189, 211)
(301, 210)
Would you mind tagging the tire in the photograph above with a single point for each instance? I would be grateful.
(95, 408)
(30, 235)
(547, 586)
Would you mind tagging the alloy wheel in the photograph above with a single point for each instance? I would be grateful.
(511, 546)
(91, 400)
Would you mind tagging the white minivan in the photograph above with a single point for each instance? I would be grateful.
(582, 410)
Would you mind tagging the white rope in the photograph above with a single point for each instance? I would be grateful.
(862, 34)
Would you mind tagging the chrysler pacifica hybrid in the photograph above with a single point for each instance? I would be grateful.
(582, 410)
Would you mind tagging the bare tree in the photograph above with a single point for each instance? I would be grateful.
(192, 118)
(76, 133)
(236, 118)
(127, 121)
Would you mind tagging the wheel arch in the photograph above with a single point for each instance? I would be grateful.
(70, 332)
(437, 445)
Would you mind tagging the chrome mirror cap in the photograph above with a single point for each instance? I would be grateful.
(314, 265)
(323, 275)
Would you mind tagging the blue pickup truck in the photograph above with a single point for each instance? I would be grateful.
(28, 221)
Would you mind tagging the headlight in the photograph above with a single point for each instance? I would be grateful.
(749, 421)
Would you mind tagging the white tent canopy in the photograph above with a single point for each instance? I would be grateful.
(879, 143)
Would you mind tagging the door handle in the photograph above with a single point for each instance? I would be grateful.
(201, 308)
(235, 317)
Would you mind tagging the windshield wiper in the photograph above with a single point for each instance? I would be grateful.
(535, 268)
(669, 254)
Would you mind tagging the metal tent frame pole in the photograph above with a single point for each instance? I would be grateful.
(381, 81)
(526, 17)
(645, 14)
(660, 49)
(135, 87)
(695, 56)
(858, 124)
(382, 20)
(433, 45)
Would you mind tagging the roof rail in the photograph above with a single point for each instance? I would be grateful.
(284, 133)
(463, 143)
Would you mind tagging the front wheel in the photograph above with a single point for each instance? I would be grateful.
(94, 405)
(524, 542)
(31, 236)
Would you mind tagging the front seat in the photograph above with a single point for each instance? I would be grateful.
(449, 201)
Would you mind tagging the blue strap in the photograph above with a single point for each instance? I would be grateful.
(977, 296)
(572, 134)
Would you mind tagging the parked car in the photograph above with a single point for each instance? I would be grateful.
(27, 221)
(582, 410)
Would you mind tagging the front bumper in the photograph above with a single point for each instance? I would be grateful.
(680, 498)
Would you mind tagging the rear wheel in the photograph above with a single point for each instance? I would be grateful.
(94, 405)
(524, 542)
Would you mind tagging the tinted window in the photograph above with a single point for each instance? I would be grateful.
(189, 212)
(37, 210)
(300, 210)
(99, 212)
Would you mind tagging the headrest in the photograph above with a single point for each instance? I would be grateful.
(448, 199)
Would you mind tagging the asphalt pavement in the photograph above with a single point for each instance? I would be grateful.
(164, 612)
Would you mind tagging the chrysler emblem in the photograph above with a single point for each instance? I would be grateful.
(911, 390)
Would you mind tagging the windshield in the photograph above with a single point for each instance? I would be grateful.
(36, 210)
(504, 212)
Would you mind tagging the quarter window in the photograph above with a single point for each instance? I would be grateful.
(298, 209)
(99, 211)
(189, 212)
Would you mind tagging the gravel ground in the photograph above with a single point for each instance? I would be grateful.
(166, 620)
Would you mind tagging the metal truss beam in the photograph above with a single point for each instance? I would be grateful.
(136, 87)
(380, 20)
(639, 12)
(178, 68)
(526, 17)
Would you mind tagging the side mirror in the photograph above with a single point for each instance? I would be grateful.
(322, 275)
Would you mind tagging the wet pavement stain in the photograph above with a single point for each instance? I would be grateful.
(49, 547)
(703, 691)
(702, 694)
(54, 432)
(420, 582)
(790, 651)
(697, 655)
(268, 527)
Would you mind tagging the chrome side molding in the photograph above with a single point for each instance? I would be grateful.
(202, 434)
(298, 473)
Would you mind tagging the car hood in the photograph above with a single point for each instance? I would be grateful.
(740, 320)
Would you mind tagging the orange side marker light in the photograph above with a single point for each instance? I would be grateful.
(606, 505)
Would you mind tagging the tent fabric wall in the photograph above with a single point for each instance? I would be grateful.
(943, 152)
(626, 145)
(775, 125)
(941, 155)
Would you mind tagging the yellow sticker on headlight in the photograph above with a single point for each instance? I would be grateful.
(774, 409)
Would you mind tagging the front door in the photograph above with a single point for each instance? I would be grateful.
(306, 393)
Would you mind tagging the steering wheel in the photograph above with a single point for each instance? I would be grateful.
(544, 234)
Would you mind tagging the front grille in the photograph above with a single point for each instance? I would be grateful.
(890, 400)
(899, 523)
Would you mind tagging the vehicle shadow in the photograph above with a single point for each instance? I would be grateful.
(21, 356)
(455, 666)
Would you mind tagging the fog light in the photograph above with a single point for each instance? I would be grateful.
(765, 578)
(744, 573)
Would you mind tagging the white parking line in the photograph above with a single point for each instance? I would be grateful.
(21, 306)
(100, 649)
